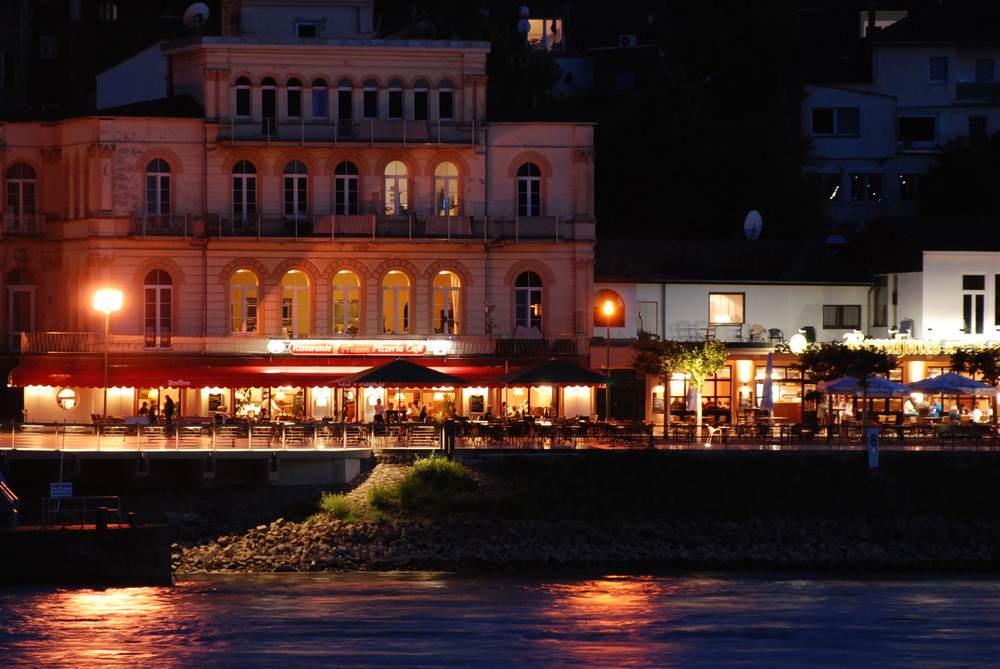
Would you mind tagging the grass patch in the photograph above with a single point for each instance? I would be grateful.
(435, 485)
(336, 505)
(383, 500)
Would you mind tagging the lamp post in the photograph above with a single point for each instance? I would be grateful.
(609, 310)
(107, 301)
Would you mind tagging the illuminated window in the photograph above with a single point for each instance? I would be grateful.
(395, 303)
(396, 189)
(66, 398)
(346, 302)
(446, 189)
(528, 301)
(446, 291)
(243, 291)
(725, 308)
(295, 313)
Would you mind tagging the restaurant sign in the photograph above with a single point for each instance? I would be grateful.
(333, 347)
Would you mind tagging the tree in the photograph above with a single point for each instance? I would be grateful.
(833, 360)
(962, 180)
(982, 361)
(664, 358)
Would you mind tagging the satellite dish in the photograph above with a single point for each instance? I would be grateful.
(195, 16)
(752, 224)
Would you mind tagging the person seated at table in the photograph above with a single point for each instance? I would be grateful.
(144, 409)
(909, 411)
(976, 414)
(488, 416)
(955, 414)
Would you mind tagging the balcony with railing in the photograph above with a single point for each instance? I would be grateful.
(22, 224)
(346, 131)
(54, 343)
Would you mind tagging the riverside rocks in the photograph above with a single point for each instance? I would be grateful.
(656, 511)
(456, 543)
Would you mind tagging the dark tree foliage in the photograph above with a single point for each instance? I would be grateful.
(833, 360)
(983, 361)
(962, 181)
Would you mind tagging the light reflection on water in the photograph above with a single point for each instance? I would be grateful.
(435, 620)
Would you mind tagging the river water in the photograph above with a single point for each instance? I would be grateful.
(538, 620)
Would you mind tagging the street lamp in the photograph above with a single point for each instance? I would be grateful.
(609, 311)
(107, 301)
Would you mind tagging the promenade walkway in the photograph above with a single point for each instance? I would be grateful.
(201, 436)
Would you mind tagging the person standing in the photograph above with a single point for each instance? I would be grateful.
(168, 409)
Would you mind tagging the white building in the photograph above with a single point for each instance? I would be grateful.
(934, 79)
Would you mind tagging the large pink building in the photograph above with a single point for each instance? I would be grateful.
(295, 200)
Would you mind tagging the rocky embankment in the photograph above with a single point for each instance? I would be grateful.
(889, 538)
(471, 544)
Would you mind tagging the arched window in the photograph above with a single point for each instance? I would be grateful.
(420, 104)
(157, 193)
(346, 302)
(529, 190)
(243, 292)
(446, 290)
(295, 300)
(395, 303)
(22, 185)
(296, 190)
(158, 300)
(395, 99)
(319, 100)
(20, 306)
(609, 309)
(243, 98)
(446, 189)
(345, 108)
(244, 193)
(446, 100)
(345, 187)
(268, 105)
(396, 189)
(528, 301)
(369, 99)
(293, 98)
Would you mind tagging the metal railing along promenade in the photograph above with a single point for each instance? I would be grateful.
(204, 435)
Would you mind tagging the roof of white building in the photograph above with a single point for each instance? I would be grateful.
(774, 261)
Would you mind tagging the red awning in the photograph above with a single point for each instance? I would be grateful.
(185, 374)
